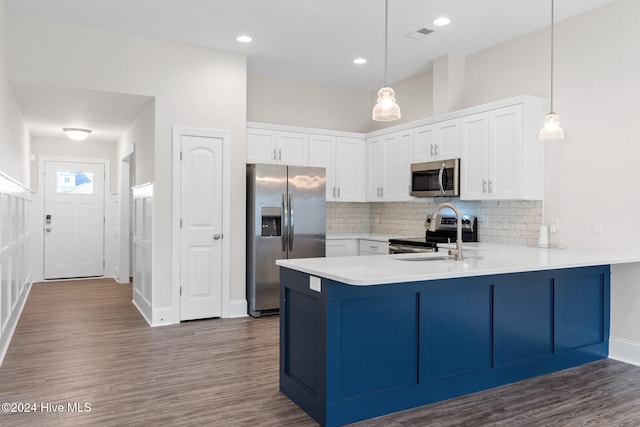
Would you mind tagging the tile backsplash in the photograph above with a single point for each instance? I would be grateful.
(499, 221)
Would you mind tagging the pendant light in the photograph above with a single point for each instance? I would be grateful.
(552, 131)
(386, 109)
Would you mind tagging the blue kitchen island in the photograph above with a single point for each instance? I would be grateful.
(366, 336)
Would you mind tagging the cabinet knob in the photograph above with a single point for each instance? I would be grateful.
(217, 236)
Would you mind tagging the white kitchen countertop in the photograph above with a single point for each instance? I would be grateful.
(486, 259)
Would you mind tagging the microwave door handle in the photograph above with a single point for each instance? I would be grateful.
(442, 175)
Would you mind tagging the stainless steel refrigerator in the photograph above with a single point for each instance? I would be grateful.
(285, 219)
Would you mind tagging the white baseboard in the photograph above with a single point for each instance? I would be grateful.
(236, 308)
(141, 309)
(624, 350)
(12, 322)
(163, 316)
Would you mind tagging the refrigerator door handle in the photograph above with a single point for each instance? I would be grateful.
(291, 222)
(285, 228)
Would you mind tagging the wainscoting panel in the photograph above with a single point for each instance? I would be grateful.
(15, 247)
(143, 250)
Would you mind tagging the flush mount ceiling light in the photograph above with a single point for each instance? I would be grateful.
(244, 39)
(77, 134)
(441, 21)
(386, 109)
(552, 131)
(359, 61)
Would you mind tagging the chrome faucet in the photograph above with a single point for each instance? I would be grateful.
(457, 252)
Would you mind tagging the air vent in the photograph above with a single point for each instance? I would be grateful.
(422, 32)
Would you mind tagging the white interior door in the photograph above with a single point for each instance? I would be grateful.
(74, 219)
(201, 230)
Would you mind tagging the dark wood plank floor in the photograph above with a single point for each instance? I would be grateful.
(84, 342)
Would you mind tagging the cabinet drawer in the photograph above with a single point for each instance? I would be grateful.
(368, 247)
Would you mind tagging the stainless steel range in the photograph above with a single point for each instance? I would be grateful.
(445, 232)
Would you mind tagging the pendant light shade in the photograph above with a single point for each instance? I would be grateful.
(552, 131)
(386, 109)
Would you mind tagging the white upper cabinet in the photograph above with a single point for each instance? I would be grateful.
(438, 141)
(501, 156)
(389, 159)
(350, 169)
(322, 153)
(343, 158)
(277, 147)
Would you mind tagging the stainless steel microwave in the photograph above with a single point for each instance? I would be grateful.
(436, 179)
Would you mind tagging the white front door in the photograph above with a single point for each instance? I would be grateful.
(201, 230)
(74, 219)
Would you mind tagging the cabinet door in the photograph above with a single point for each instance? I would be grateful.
(424, 138)
(350, 170)
(505, 153)
(341, 247)
(375, 169)
(322, 153)
(473, 156)
(292, 148)
(261, 146)
(448, 144)
(398, 158)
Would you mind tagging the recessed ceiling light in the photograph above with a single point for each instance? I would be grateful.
(359, 61)
(442, 21)
(244, 39)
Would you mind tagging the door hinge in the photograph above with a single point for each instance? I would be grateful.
(180, 155)
(180, 290)
(180, 222)
(103, 263)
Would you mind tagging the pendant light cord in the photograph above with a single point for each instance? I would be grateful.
(552, 21)
(386, 25)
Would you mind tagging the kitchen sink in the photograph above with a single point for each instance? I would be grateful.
(438, 258)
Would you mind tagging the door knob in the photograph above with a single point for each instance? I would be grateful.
(216, 237)
(48, 229)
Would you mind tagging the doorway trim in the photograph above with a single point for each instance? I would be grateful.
(123, 266)
(225, 135)
(38, 210)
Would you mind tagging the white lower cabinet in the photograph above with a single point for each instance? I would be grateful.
(501, 156)
(341, 247)
(372, 247)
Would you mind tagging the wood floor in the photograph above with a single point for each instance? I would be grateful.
(84, 342)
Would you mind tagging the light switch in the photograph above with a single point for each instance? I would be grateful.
(315, 284)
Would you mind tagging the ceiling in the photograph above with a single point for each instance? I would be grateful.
(308, 40)
(47, 109)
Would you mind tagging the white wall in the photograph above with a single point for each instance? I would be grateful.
(288, 102)
(593, 174)
(193, 87)
(15, 205)
(64, 147)
(140, 134)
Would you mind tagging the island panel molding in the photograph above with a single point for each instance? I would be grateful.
(350, 353)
